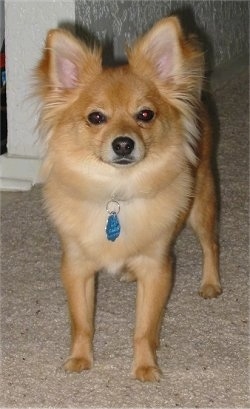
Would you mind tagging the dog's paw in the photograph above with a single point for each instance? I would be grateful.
(77, 364)
(127, 276)
(147, 374)
(210, 290)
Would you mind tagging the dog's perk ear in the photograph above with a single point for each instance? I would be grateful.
(66, 61)
(165, 55)
(65, 68)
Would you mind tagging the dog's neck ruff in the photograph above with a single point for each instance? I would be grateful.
(113, 227)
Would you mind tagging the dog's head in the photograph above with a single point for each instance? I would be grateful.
(121, 116)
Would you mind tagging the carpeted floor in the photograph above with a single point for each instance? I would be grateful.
(204, 351)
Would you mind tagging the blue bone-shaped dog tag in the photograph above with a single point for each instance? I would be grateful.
(113, 227)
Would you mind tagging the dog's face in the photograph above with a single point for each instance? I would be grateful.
(122, 119)
(125, 116)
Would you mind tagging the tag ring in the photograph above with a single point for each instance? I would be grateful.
(113, 207)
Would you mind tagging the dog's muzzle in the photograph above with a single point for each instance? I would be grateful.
(123, 150)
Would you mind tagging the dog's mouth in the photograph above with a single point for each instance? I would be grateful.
(123, 161)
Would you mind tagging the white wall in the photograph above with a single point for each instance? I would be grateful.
(26, 24)
(1, 22)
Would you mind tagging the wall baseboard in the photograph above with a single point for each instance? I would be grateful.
(19, 173)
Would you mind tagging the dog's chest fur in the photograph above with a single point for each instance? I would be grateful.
(143, 221)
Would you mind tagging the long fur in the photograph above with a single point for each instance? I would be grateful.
(168, 181)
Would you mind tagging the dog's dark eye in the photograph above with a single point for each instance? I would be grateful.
(145, 115)
(97, 118)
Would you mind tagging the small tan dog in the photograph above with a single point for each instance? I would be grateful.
(128, 162)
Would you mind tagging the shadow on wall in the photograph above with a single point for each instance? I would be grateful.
(91, 39)
(189, 24)
(223, 25)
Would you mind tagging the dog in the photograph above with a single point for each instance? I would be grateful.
(128, 162)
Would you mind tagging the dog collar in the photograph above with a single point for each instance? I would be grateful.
(113, 227)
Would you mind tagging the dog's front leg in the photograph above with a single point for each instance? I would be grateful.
(78, 280)
(153, 288)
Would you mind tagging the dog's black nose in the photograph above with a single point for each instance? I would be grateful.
(123, 145)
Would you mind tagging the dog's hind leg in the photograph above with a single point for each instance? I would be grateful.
(202, 219)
